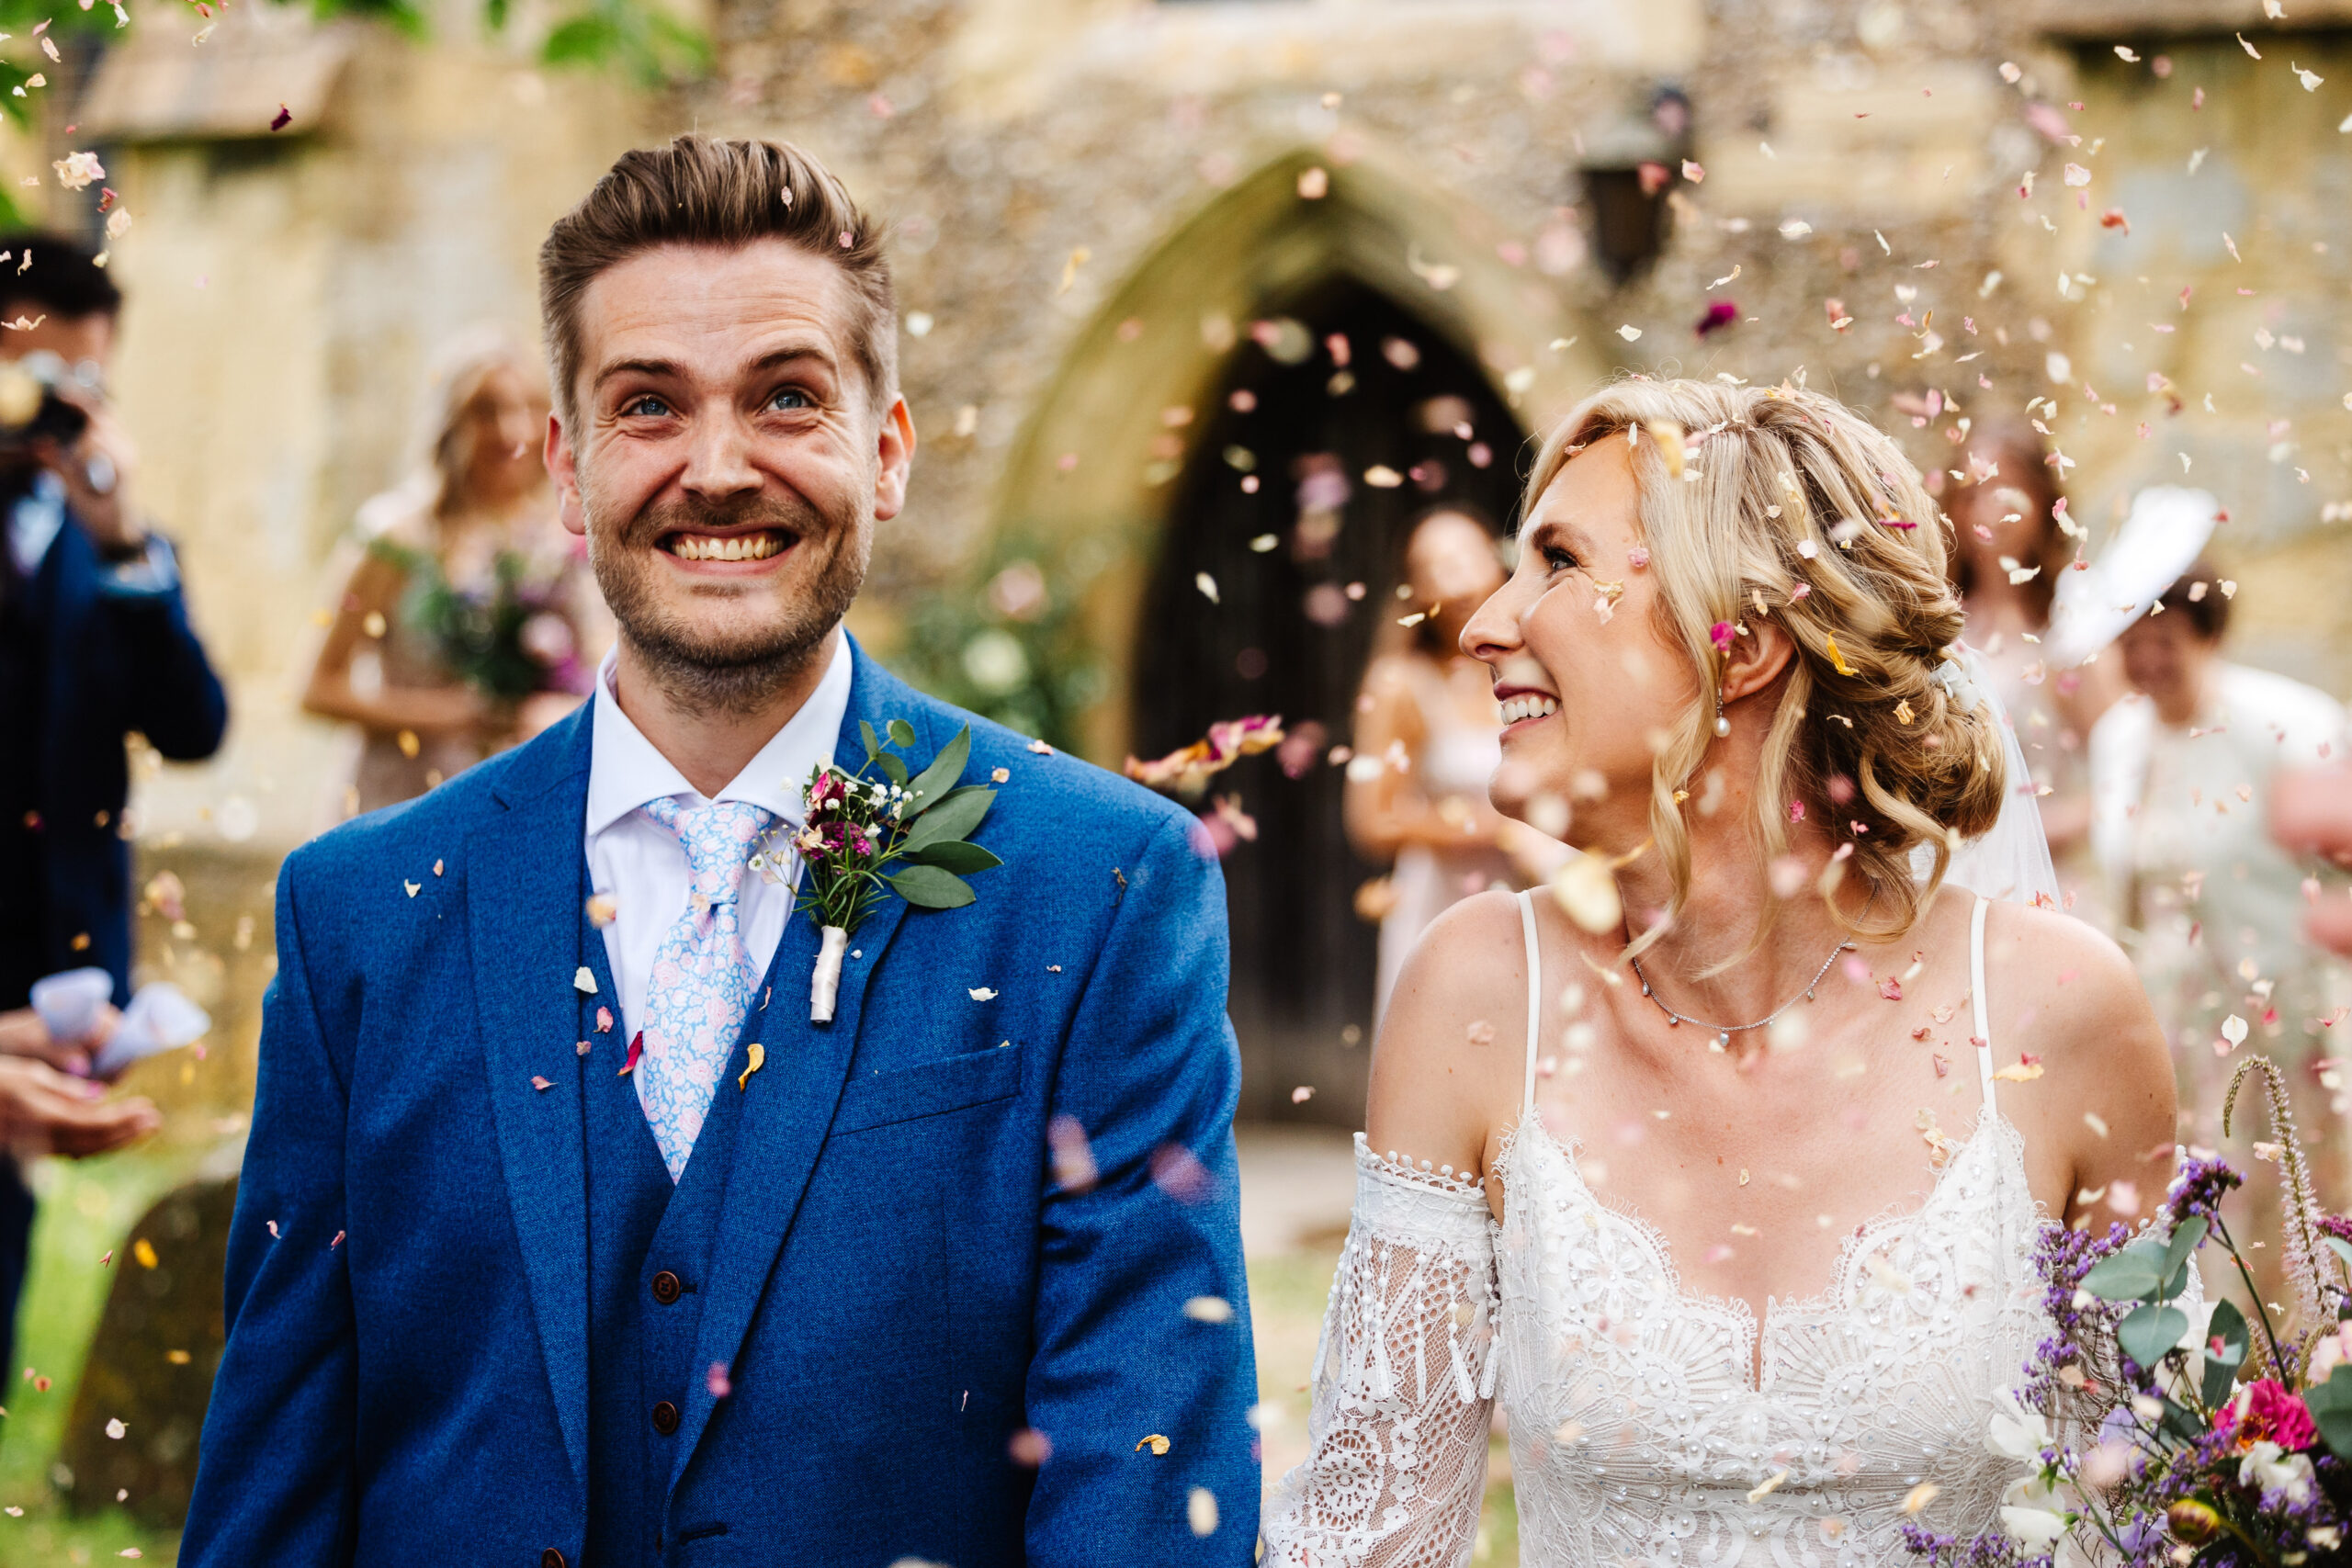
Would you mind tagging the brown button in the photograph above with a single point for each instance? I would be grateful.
(551, 1557)
(665, 1418)
(667, 1287)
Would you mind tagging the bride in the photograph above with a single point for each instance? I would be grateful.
(1726, 1188)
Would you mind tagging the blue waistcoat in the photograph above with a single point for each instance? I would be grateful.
(640, 1228)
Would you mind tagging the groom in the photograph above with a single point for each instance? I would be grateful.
(565, 1237)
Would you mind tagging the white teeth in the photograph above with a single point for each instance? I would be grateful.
(732, 546)
(1529, 705)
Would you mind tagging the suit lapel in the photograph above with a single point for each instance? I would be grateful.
(789, 1105)
(523, 917)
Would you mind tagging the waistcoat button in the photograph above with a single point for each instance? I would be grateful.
(666, 1288)
(665, 1418)
(551, 1557)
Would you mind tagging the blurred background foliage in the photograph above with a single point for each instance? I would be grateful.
(1012, 643)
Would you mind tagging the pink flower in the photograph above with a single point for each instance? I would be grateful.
(1638, 556)
(1720, 634)
(1796, 811)
(2264, 1412)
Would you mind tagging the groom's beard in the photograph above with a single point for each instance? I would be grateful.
(757, 645)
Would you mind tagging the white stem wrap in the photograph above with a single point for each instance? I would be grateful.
(827, 984)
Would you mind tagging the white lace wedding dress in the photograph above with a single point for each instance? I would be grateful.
(1636, 1433)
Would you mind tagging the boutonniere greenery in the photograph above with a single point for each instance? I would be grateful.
(883, 830)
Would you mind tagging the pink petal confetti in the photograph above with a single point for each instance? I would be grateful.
(540, 1084)
(604, 1020)
(273, 1230)
(1891, 989)
(716, 1381)
(284, 118)
(1720, 634)
(581, 1049)
(1302, 1094)
(1074, 1168)
(337, 1241)
(635, 1049)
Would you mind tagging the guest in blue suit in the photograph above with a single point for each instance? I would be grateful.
(95, 643)
(565, 1235)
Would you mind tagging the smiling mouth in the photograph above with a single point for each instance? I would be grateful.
(757, 545)
(1528, 705)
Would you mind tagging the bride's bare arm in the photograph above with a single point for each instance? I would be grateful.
(2101, 1115)
(1452, 1053)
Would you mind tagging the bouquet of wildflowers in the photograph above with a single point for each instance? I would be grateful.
(2156, 1428)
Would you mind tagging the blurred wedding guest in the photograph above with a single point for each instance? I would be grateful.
(459, 630)
(2010, 552)
(94, 643)
(2182, 772)
(1428, 738)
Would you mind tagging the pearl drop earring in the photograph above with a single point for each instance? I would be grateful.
(1723, 725)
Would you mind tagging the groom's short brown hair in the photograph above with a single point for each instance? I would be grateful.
(700, 191)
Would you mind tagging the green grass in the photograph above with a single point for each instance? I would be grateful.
(86, 1208)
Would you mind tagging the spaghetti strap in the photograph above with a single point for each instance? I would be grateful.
(1977, 997)
(1534, 994)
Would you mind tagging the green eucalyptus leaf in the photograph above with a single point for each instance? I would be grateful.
(873, 741)
(954, 817)
(2127, 1276)
(2331, 1406)
(2221, 1366)
(2181, 1421)
(2150, 1331)
(934, 782)
(929, 888)
(2339, 1247)
(892, 769)
(902, 732)
(2183, 1242)
(956, 855)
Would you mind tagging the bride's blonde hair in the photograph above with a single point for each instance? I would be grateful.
(1790, 506)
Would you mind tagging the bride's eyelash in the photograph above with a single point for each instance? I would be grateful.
(1559, 560)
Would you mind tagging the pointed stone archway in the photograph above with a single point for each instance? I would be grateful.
(1096, 458)
(1285, 332)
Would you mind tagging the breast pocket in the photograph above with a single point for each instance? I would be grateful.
(934, 1088)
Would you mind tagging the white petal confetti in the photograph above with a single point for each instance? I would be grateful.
(1209, 1309)
(1200, 1511)
(584, 982)
(982, 993)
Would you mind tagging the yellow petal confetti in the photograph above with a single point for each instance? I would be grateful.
(2020, 1072)
(1669, 436)
(1837, 660)
(1920, 1497)
(1587, 893)
(1903, 711)
(759, 1057)
(1770, 1487)
(1155, 1443)
(144, 1250)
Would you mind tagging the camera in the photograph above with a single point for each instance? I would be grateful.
(31, 406)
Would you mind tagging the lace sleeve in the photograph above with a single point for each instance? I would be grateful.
(1404, 1383)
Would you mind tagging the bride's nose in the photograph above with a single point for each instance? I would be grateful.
(1492, 630)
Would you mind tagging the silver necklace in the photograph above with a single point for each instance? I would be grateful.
(1723, 1031)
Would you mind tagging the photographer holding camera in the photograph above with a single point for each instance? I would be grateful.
(94, 643)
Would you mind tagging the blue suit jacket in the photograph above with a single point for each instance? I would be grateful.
(899, 1284)
(120, 657)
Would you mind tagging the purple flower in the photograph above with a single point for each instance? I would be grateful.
(2198, 1187)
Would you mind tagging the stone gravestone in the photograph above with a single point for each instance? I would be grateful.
(152, 1361)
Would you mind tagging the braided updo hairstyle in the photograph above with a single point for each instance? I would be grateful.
(1779, 503)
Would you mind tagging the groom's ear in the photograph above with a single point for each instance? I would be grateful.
(894, 453)
(565, 472)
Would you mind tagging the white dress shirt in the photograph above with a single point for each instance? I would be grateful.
(641, 865)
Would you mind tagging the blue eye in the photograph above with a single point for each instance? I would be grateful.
(646, 405)
(790, 398)
(1559, 560)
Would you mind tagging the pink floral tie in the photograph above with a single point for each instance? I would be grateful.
(702, 980)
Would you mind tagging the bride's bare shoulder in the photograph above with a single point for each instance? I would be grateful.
(2060, 991)
(1451, 1053)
